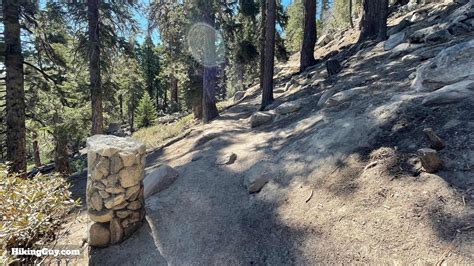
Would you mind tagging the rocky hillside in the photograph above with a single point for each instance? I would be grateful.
(373, 164)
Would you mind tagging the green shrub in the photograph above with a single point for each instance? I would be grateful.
(31, 211)
(146, 112)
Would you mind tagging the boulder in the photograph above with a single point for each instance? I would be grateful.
(436, 142)
(403, 49)
(453, 93)
(394, 40)
(344, 96)
(458, 28)
(239, 95)
(99, 235)
(326, 95)
(430, 160)
(451, 65)
(399, 27)
(325, 39)
(159, 180)
(420, 35)
(116, 231)
(227, 159)
(438, 37)
(259, 175)
(261, 118)
(288, 107)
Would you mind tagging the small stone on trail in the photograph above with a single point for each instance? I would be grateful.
(288, 107)
(227, 159)
(430, 160)
(260, 118)
(436, 142)
(159, 180)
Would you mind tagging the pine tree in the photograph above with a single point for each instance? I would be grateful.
(146, 111)
(309, 38)
(269, 62)
(374, 20)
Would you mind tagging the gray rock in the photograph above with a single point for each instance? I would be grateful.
(227, 159)
(95, 201)
(98, 236)
(453, 93)
(261, 118)
(403, 49)
(102, 216)
(394, 40)
(259, 175)
(438, 37)
(437, 143)
(430, 160)
(345, 96)
(239, 95)
(326, 95)
(159, 180)
(130, 176)
(288, 107)
(325, 39)
(135, 205)
(458, 28)
(123, 214)
(128, 158)
(116, 231)
(420, 35)
(114, 201)
(410, 57)
(115, 190)
(115, 164)
(103, 194)
(398, 28)
(131, 191)
(451, 65)
(101, 169)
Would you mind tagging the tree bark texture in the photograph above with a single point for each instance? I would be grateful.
(267, 91)
(15, 92)
(309, 35)
(374, 20)
(94, 67)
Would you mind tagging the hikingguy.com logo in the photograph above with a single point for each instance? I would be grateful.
(44, 252)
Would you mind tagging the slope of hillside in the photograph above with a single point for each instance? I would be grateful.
(343, 182)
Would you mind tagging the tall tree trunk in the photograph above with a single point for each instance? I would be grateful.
(174, 92)
(94, 67)
(36, 150)
(374, 20)
(262, 40)
(209, 108)
(61, 157)
(267, 91)
(309, 37)
(350, 14)
(15, 92)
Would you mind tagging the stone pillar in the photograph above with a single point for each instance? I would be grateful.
(115, 197)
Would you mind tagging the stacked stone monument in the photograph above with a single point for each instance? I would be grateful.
(115, 195)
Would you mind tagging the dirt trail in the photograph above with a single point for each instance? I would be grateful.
(342, 190)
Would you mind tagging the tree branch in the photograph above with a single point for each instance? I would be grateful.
(41, 71)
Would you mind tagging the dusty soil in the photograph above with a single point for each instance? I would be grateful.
(343, 189)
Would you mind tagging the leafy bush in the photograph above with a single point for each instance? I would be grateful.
(146, 111)
(31, 211)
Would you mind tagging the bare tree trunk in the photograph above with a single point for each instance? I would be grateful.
(262, 40)
(309, 37)
(174, 92)
(36, 150)
(61, 157)
(267, 91)
(374, 20)
(94, 67)
(209, 108)
(350, 14)
(15, 92)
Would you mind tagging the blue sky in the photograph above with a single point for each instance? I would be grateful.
(142, 20)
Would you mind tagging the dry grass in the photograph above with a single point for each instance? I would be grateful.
(154, 136)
